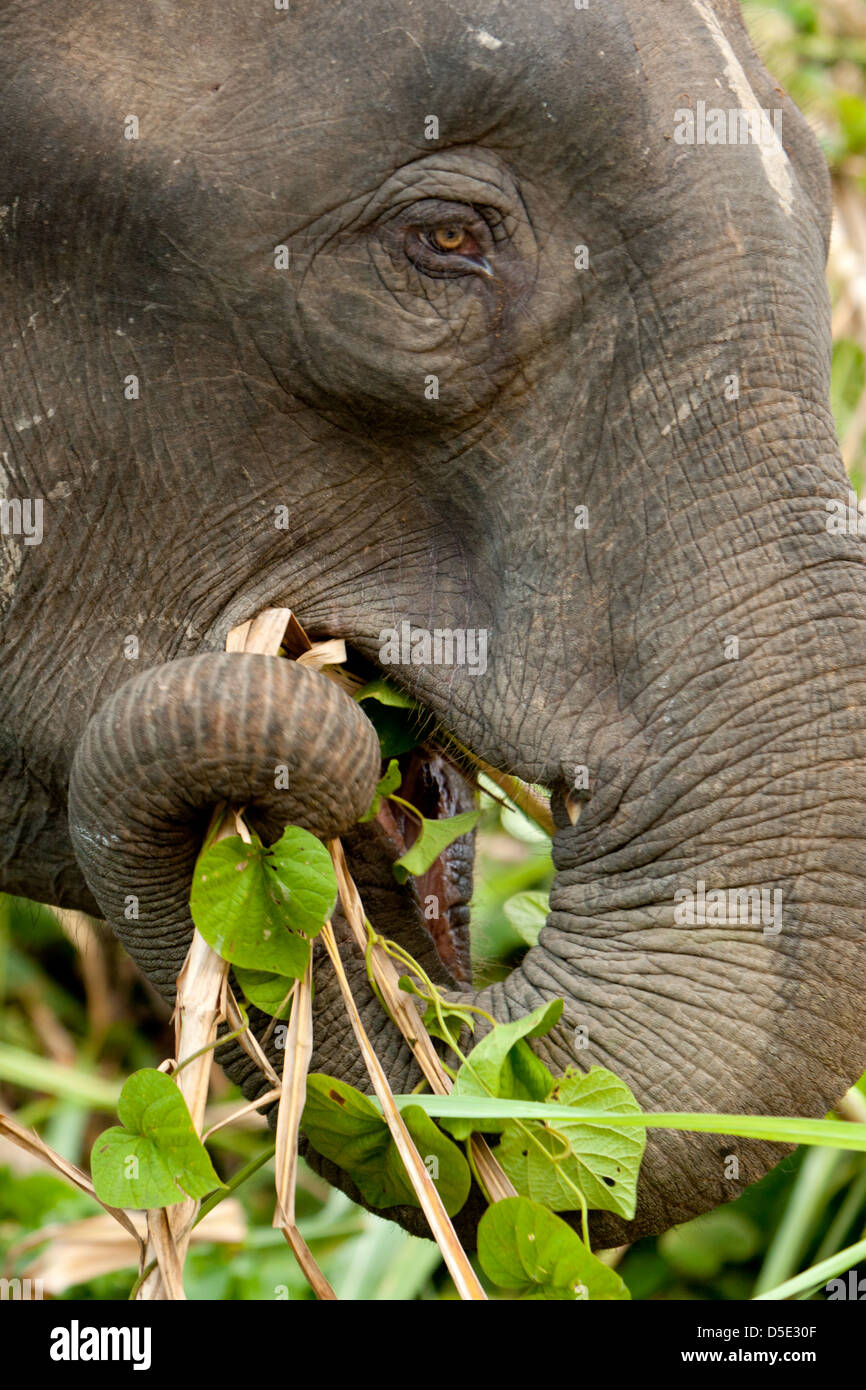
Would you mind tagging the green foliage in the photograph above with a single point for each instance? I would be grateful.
(344, 1126)
(454, 1020)
(154, 1158)
(701, 1248)
(818, 52)
(502, 1064)
(566, 1164)
(259, 907)
(35, 1199)
(269, 992)
(506, 866)
(532, 1254)
(848, 383)
(387, 784)
(394, 715)
(434, 837)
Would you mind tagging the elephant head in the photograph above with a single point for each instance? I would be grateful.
(490, 318)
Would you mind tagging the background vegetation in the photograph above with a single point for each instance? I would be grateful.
(75, 1018)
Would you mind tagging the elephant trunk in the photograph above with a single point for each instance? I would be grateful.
(708, 931)
(180, 738)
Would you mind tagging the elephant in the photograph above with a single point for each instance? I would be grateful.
(490, 318)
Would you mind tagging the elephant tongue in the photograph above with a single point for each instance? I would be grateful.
(436, 788)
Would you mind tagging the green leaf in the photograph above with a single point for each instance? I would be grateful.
(154, 1158)
(386, 694)
(435, 836)
(241, 909)
(394, 715)
(345, 1126)
(502, 1064)
(527, 913)
(387, 784)
(251, 904)
(547, 1162)
(265, 990)
(526, 1250)
(304, 868)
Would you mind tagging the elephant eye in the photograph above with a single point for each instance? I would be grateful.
(453, 238)
(455, 244)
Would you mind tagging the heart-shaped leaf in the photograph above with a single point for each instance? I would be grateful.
(258, 907)
(434, 836)
(344, 1126)
(503, 1064)
(527, 1250)
(154, 1158)
(241, 909)
(548, 1162)
(303, 867)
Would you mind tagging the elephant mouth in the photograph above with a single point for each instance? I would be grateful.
(431, 781)
(435, 786)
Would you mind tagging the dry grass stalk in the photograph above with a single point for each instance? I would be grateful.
(201, 1011)
(262, 635)
(322, 654)
(167, 1245)
(455, 1257)
(233, 1115)
(402, 1009)
(266, 634)
(296, 1064)
(202, 1004)
(852, 1107)
(314, 1276)
(401, 1005)
(200, 1008)
(78, 1251)
(525, 797)
(248, 1040)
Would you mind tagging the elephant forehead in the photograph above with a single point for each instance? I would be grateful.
(311, 101)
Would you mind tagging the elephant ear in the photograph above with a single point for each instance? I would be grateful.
(813, 174)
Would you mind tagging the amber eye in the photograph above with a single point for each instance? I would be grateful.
(445, 242)
(449, 238)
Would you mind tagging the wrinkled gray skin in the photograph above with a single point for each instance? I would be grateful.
(558, 388)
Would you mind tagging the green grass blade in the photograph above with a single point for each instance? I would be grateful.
(838, 1134)
(845, 1218)
(808, 1199)
(819, 1274)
